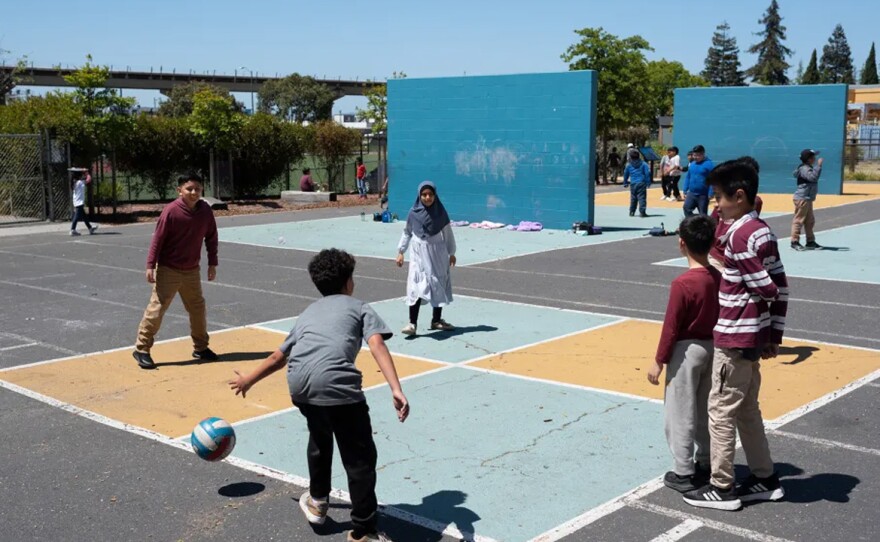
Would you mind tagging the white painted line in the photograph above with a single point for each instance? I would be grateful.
(554, 300)
(853, 337)
(873, 384)
(99, 300)
(22, 338)
(241, 463)
(529, 305)
(16, 347)
(52, 276)
(597, 513)
(826, 442)
(712, 524)
(821, 401)
(567, 276)
(680, 531)
(826, 343)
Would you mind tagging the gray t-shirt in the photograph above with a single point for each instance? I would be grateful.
(321, 349)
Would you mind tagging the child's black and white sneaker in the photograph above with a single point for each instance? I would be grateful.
(682, 484)
(760, 489)
(710, 496)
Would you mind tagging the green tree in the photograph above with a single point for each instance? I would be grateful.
(180, 100)
(214, 120)
(297, 98)
(333, 144)
(799, 74)
(836, 65)
(376, 111)
(721, 67)
(771, 68)
(664, 77)
(811, 75)
(9, 78)
(265, 146)
(624, 88)
(869, 71)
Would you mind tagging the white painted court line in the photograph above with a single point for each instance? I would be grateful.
(842, 336)
(772, 425)
(16, 347)
(554, 300)
(712, 524)
(827, 442)
(32, 342)
(680, 531)
(873, 384)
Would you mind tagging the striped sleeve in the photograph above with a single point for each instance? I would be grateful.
(768, 252)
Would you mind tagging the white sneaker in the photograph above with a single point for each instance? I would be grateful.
(315, 511)
(93, 229)
(408, 329)
(662, 198)
(442, 325)
(74, 233)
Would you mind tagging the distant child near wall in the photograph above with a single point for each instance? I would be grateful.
(81, 179)
(638, 176)
(327, 388)
(686, 349)
(753, 301)
(807, 177)
(428, 235)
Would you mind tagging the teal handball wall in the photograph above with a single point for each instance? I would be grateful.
(503, 148)
(772, 124)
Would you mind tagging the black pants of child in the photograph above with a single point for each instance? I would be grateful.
(351, 426)
(414, 313)
(669, 183)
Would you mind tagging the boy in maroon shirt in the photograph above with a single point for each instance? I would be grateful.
(753, 301)
(173, 267)
(686, 348)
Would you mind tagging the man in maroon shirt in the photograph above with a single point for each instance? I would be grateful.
(686, 347)
(173, 267)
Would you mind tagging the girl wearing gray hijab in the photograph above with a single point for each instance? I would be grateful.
(429, 237)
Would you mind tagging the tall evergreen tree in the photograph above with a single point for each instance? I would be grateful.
(799, 74)
(836, 65)
(722, 60)
(869, 72)
(811, 75)
(771, 68)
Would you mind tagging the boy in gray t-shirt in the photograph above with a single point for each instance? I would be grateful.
(326, 387)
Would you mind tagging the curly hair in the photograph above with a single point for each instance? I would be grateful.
(330, 270)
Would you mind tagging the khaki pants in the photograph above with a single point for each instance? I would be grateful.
(803, 216)
(733, 405)
(170, 282)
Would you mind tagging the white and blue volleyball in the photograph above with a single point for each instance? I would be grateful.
(213, 439)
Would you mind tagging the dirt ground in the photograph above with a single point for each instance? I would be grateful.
(149, 212)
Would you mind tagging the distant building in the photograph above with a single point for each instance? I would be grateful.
(350, 120)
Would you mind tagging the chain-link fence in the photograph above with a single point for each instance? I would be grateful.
(862, 155)
(22, 185)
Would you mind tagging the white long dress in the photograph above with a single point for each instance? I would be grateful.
(429, 279)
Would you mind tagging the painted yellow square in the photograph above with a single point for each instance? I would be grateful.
(617, 357)
(182, 391)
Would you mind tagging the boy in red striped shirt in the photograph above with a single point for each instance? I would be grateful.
(753, 301)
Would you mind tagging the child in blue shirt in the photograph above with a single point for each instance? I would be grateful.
(638, 175)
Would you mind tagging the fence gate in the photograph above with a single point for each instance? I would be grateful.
(22, 184)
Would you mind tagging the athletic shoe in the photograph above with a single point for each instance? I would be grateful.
(315, 511)
(797, 246)
(662, 198)
(144, 359)
(760, 489)
(442, 325)
(682, 484)
(372, 537)
(93, 229)
(813, 245)
(74, 233)
(710, 496)
(632, 214)
(207, 354)
(409, 329)
(643, 215)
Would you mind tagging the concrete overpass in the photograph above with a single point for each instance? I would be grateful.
(165, 81)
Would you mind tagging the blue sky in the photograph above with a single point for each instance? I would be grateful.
(372, 39)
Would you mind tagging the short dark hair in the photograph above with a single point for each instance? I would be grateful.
(698, 233)
(733, 175)
(750, 161)
(633, 154)
(673, 149)
(330, 270)
(183, 179)
(306, 171)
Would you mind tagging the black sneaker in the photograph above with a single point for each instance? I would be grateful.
(145, 361)
(760, 489)
(797, 246)
(813, 245)
(207, 354)
(643, 215)
(682, 484)
(710, 496)
(630, 214)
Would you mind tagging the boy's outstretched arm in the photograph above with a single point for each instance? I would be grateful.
(386, 365)
(242, 383)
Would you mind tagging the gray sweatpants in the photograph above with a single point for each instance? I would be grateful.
(686, 404)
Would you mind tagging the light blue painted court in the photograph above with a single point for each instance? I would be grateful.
(483, 327)
(850, 254)
(475, 436)
(475, 246)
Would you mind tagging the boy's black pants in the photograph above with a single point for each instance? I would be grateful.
(354, 437)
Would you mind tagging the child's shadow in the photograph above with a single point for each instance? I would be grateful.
(446, 335)
(226, 357)
(444, 507)
(834, 249)
(826, 486)
(801, 353)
